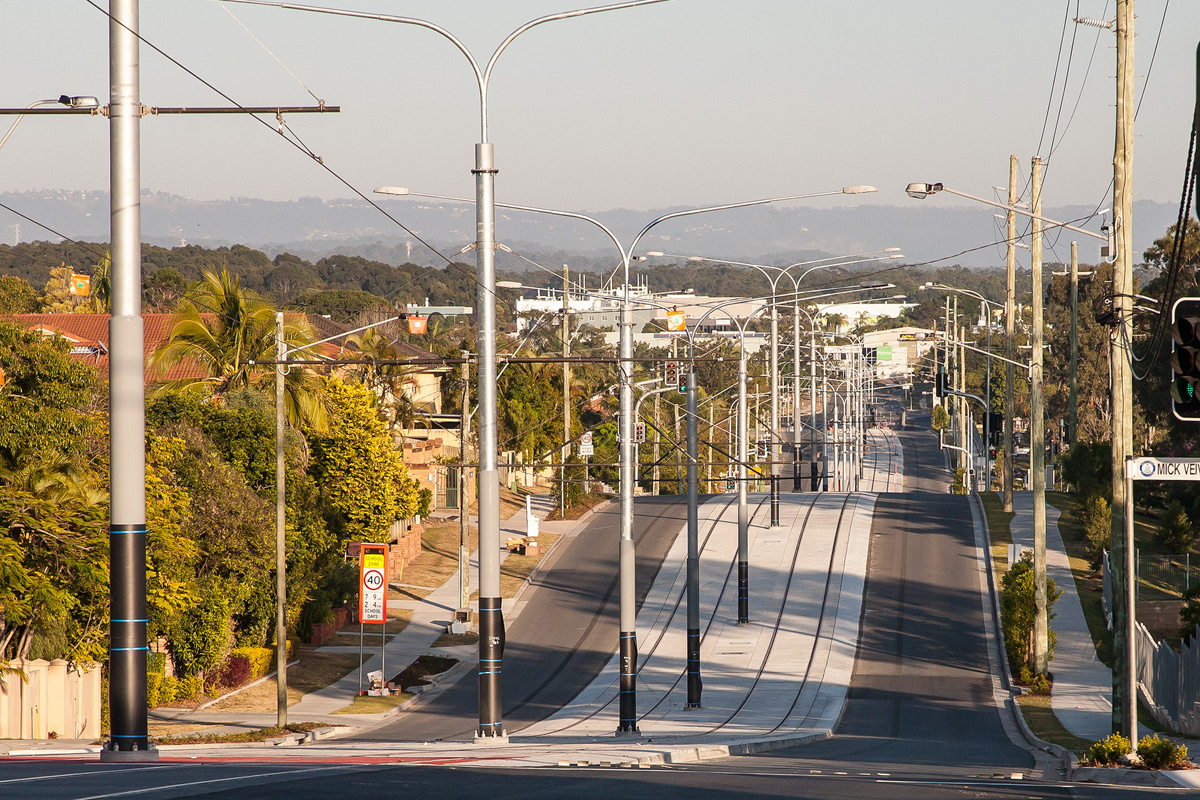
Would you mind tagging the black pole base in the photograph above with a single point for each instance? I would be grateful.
(110, 754)
(743, 592)
(491, 659)
(695, 686)
(797, 478)
(774, 501)
(634, 731)
(627, 716)
(815, 476)
(500, 737)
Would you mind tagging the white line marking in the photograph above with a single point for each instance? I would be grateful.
(214, 780)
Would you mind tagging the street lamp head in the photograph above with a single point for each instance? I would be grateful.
(920, 191)
(79, 101)
(655, 253)
(858, 189)
(891, 250)
(509, 285)
(875, 285)
(396, 190)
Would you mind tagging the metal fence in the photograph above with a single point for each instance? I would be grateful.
(1169, 682)
(1166, 577)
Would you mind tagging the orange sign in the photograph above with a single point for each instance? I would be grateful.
(676, 321)
(81, 284)
(418, 324)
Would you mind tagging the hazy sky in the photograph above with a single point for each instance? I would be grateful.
(688, 102)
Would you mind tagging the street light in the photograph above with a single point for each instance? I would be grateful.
(78, 101)
(491, 619)
(820, 263)
(987, 307)
(628, 605)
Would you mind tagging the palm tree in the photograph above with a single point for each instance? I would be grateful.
(221, 329)
(386, 380)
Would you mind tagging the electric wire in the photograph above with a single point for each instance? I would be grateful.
(293, 139)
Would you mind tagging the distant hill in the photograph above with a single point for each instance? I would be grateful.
(313, 229)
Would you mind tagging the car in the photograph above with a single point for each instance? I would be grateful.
(1020, 451)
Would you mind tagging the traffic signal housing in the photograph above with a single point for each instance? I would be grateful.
(683, 375)
(671, 373)
(939, 383)
(1185, 359)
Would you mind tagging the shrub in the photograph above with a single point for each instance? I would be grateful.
(190, 686)
(1157, 753)
(234, 671)
(1017, 612)
(1040, 685)
(1109, 749)
(261, 659)
(1096, 521)
(1189, 614)
(154, 682)
(1175, 532)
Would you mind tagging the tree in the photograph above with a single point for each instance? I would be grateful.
(357, 466)
(1017, 613)
(17, 296)
(940, 420)
(1175, 531)
(222, 329)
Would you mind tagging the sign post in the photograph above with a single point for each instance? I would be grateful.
(372, 599)
(1142, 469)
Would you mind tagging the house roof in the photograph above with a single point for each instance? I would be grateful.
(88, 336)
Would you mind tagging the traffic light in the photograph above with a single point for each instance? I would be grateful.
(730, 477)
(939, 383)
(683, 375)
(1185, 359)
(671, 373)
(639, 432)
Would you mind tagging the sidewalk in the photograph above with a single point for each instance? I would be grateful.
(1082, 698)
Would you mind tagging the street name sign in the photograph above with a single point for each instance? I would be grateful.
(1164, 469)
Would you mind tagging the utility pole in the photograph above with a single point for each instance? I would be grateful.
(281, 698)
(1010, 332)
(464, 495)
(566, 385)
(1037, 437)
(1124, 690)
(1072, 414)
(129, 740)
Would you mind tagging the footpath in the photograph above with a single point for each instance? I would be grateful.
(779, 681)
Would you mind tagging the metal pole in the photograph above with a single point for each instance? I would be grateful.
(1129, 711)
(1073, 416)
(1010, 332)
(464, 496)
(280, 528)
(797, 449)
(1124, 690)
(773, 450)
(743, 508)
(129, 740)
(491, 615)
(1037, 440)
(628, 599)
(694, 684)
(819, 482)
(566, 387)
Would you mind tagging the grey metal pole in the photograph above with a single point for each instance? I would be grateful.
(566, 387)
(1037, 440)
(818, 483)
(1010, 332)
(773, 450)
(128, 740)
(1129, 712)
(1073, 416)
(464, 496)
(694, 683)
(280, 528)
(743, 508)
(491, 617)
(797, 450)
(628, 599)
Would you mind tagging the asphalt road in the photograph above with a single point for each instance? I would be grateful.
(920, 722)
(564, 635)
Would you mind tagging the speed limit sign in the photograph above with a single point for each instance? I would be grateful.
(372, 584)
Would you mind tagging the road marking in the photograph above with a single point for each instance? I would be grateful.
(99, 771)
(149, 789)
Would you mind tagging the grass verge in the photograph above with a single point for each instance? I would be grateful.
(425, 666)
(999, 531)
(363, 704)
(456, 640)
(255, 735)
(316, 670)
(1041, 720)
(437, 562)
